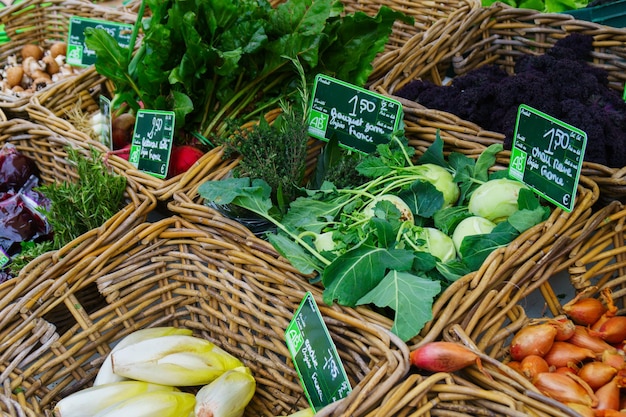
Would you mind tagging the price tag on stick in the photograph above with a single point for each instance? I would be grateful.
(547, 155)
(77, 52)
(359, 118)
(152, 142)
(315, 356)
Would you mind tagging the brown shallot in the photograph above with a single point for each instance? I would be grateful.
(597, 374)
(564, 388)
(532, 340)
(443, 357)
(564, 354)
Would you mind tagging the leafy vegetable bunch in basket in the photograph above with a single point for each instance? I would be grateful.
(219, 64)
(500, 57)
(400, 238)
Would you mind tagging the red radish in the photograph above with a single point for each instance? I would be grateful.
(532, 340)
(122, 127)
(183, 157)
(443, 357)
(564, 354)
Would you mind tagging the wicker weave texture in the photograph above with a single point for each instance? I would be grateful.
(497, 35)
(55, 332)
(49, 152)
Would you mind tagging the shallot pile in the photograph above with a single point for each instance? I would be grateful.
(577, 358)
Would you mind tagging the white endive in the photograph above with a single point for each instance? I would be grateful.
(90, 401)
(153, 404)
(105, 373)
(178, 360)
(226, 396)
(305, 412)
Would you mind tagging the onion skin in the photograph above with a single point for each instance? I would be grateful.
(610, 413)
(582, 338)
(608, 396)
(532, 365)
(565, 328)
(443, 357)
(532, 340)
(597, 374)
(563, 388)
(611, 330)
(614, 359)
(584, 311)
(564, 353)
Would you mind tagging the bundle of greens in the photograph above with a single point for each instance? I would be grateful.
(401, 237)
(211, 61)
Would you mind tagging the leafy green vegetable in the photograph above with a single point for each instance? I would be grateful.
(377, 255)
(402, 291)
(211, 61)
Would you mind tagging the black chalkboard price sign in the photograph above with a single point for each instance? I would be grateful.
(547, 155)
(360, 119)
(315, 357)
(77, 52)
(152, 142)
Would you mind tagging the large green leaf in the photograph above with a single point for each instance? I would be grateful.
(410, 296)
(353, 274)
(294, 253)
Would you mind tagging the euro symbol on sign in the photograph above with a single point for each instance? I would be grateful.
(566, 199)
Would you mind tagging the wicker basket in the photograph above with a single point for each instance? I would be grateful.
(497, 35)
(44, 23)
(48, 150)
(592, 256)
(454, 303)
(171, 272)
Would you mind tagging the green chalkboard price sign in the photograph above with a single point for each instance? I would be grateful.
(315, 357)
(360, 119)
(547, 155)
(77, 52)
(152, 142)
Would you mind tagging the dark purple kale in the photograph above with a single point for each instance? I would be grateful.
(561, 83)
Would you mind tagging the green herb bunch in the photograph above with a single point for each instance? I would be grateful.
(76, 207)
(211, 61)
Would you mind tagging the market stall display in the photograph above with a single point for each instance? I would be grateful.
(502, 36)
(545, 312)
(60, 101)
(50, 154)
(39, 25)
(174, 273)
(447, 307)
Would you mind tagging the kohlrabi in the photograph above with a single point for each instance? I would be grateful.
(496, 200)
(470, 226)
